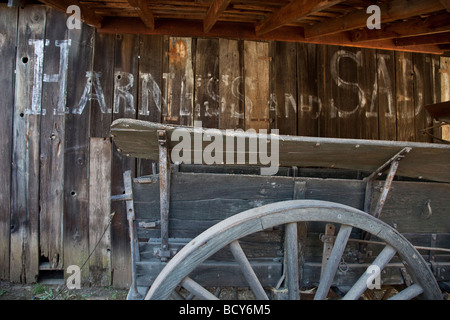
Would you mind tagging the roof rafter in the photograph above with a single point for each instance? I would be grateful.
(292, 11)
(433, 24)
(183, 28)
(215, 10)
(446, 4)
(438, 38)
(390, 11)
(143, 12)
(87, 15)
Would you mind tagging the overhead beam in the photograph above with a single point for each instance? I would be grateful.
(438, 38)
(189, 28)
(390, 11)
(58, 5)
(215, 10)
(143, 12)
(446, 4)
(293, 11)
(432, 24)
(88, 15)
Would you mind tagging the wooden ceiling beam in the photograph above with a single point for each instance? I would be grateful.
(390, 11)
(88, 16)
(293, 11)
(215, 10)
(437, 38)
(183, 28)
(446, 4)
(143, 12)
(432, 24)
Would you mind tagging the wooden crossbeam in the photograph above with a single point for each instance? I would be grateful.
(293, 11)
(143, 12)
(438, 38)
(390, 11)
(446, 4)
(215, 10)
(433, 24)
(87, 15)
(59, 5)
(189, 28)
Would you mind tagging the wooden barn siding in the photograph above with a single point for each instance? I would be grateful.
(70, 84)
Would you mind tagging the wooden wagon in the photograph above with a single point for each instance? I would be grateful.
(341, 218)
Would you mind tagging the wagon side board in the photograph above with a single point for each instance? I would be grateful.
(138, 139)
(200, 200)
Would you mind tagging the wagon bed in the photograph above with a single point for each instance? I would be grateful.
(167, 211)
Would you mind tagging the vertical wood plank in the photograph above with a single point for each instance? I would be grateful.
(328, 120)
(24, 263)
(405, 96)
(101, 85)
(99, 211)
(256, 70)
(309, 104)
(423, 94)
(150, 78)
(231, 86)
(284, 86)
(386, 91)
(52, 140)
(445, 91)
(151, 98)
(125, 77)
(207, 83)
(437, 92)
(8, 34)
(368, 84)
(76, 153)
(345, 64)
(180, 82)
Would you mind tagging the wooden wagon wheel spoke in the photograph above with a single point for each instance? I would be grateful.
(289, 213)
(361, 285)
(333, 262)
(247, 270)
(292, 261)
(197, 289)
(408, 293)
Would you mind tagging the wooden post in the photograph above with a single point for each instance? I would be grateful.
(52, 140)
(24, 263)
(8, 30)
(99, 211)
(76, 154)
(125, 71)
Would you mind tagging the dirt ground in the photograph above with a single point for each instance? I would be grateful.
(12, 291)
(46, 291)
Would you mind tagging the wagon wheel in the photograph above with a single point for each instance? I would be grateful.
(229, 231)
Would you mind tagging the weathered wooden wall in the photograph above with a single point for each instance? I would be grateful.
(62, 88)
